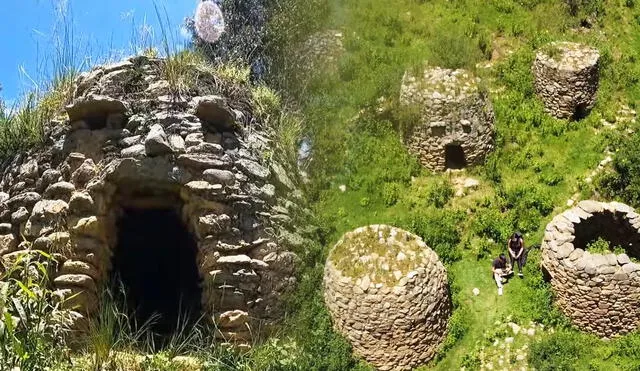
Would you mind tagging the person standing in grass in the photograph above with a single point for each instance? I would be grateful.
(516, 251)
(498, 267)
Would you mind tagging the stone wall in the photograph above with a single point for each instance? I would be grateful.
(566, 77)
(452, 111)
(598, 292)
(129, 142)
(388, 294)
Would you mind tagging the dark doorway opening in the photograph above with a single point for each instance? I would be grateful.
(581, 112)
(454, 157)
(155, 262)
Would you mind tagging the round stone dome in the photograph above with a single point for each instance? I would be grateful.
(566, 76)
(455, 124)
(599, 292)
(168, 191)
(388, 294)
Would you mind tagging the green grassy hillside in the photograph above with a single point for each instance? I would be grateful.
(538, 165)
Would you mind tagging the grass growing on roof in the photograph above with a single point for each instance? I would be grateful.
(378, 253)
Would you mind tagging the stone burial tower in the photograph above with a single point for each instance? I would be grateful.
(598, 290)
(388, 294)
(454, 127)
(171, 193)
(566, 77)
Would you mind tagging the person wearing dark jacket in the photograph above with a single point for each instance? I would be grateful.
(516, 249)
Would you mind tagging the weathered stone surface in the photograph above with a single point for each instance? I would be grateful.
(395, 321)
(455, 124)
(77, 267)
(57, 242)
(214, 113)
(254, 169)
(8, 243)
(47, 216)
(203, 161)
(94, 105)
(566, 77)
(76, 280)
(84, 173)
(81, 204)
(136, 150)
(177, 143)
(61, 190)
(587, 284)
(217, 176)
(26, 199)
(156, 142)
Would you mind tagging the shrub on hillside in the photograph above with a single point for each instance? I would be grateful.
(391, 193)
(439, 229)
(440, 193)
(454, 49)
(624, 181)
(559, 351)
(529, 197)
(491, 223)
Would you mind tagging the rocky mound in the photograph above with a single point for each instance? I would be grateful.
(454, 126)
(388, 294)
(599, 292)
(566, 77)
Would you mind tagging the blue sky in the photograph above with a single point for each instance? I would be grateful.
(32, 30)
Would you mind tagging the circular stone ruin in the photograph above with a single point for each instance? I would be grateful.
(454, 126)
(388, 294)
(566, 78)
(170, 193)
(598, 292)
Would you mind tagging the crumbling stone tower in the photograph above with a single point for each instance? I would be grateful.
(171, 192)
(388, 294)
(566, 77)
(455, 123)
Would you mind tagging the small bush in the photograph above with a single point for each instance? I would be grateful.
(599, 246)
(454, 49)
(439, 229)
(624, 181)
(391, 193)
(440, 193)
(558, 352)
(491, 223)
(530, 196)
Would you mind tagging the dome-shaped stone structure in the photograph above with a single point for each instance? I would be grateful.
(566, 77)
(388, 294)
(171, 192)
(598, 292)
(455, 127)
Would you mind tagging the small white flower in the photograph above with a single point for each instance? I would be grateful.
(476, 291)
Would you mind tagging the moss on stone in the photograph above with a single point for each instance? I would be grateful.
(379, 252)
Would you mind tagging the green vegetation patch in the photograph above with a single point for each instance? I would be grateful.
(383, 253)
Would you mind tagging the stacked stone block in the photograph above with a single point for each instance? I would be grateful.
(388, 295)
(600, 293)
(453, 110)
(566, 78)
